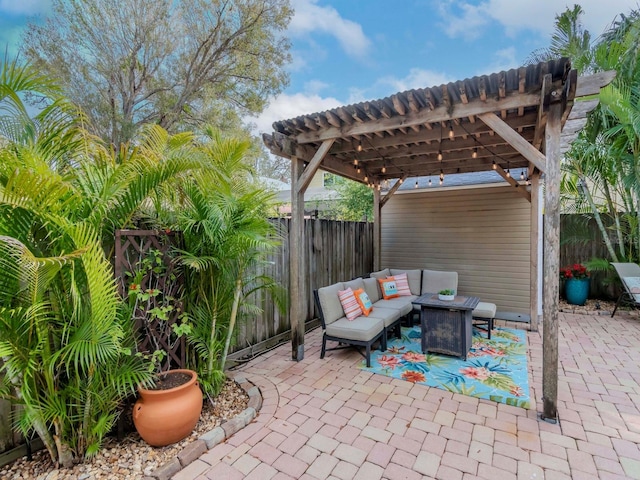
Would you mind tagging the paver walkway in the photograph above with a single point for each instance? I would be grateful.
(327, 419)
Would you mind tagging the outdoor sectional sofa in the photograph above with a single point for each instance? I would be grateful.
(387, 315)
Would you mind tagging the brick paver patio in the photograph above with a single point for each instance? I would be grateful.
(327, 419)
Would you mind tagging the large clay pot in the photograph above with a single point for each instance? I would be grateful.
(163, 417)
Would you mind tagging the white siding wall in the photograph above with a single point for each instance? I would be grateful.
(482, 233)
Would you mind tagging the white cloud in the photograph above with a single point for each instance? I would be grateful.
(24, 7)
(310, 17)
(286, 106)
(416, 78)
(469, 20)
(501, 60)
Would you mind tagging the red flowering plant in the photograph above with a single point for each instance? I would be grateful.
(577, 270)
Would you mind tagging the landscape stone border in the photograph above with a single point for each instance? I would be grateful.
(210, 439)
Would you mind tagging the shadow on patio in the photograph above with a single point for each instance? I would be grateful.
(329, 419)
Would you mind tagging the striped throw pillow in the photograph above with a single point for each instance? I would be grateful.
(402, 284)
(349, 304)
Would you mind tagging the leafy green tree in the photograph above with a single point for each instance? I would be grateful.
(355, 201)
(172, 63)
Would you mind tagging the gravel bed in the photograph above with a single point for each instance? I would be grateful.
(131, 458)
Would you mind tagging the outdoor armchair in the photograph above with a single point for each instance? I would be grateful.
(629, 274)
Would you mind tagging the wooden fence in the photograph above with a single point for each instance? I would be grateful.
(335, 251)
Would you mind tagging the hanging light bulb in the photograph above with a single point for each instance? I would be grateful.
(441, 175)
(416, 186)
(451, 134)
(474, 154)
(508, 173)
(401, 181)
(521, 175)
(366, 178)
(359, 147)
(355, 162)
(429, 182)
(439, 155)
(384, 168)
(493, 165)
(358, 169)
(378, 187)
(441, 181)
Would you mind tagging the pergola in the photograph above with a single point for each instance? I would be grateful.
(507, 120)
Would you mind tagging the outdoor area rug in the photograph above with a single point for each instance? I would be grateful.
(495, 369)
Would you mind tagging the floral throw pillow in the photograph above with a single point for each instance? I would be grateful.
(349, 304)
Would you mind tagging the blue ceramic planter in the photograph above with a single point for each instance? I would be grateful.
(576, 290)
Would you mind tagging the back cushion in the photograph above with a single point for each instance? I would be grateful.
(354, 284)
(381, 274)
(433, 281)
(330, 303)
(372, 289)
(413, 277)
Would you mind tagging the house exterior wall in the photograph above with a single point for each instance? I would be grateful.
(482, 233)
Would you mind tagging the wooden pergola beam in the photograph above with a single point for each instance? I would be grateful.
(440, 114)
(392, 190)
(312, 167)
(522, 191)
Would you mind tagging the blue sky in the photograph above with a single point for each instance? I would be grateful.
(347, 51)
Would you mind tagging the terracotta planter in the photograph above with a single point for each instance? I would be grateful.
(163, 417)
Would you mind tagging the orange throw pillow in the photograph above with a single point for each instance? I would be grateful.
(364, 301)
(388, 287)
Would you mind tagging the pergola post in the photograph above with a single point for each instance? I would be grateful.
(534, 275)
(551, 264)
(377, 230)
(296, 262)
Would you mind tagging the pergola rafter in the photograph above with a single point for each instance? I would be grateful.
(503, 121)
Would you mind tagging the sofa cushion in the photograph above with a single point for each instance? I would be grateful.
(354, 284)
(413, 277)
(387, 315)
(484, 310)
(362, 328)
(402, 284)
(372, 289)
(330, 303)
(402, 304)
(349, 304)
(381, 274)
(433, 281)
(388, 288)
(363, 301)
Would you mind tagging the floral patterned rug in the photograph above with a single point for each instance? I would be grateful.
(495, 369)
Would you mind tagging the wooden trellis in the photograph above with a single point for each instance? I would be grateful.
(146, 271)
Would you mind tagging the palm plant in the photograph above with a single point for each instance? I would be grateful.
(66, 343)
(227, 236)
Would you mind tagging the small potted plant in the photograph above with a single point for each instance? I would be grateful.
(576, 283)
(446, 295)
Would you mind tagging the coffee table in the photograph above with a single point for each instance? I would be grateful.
(446, 325)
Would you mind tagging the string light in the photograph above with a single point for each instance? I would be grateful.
(451, 134)
(441, 175)
(366, 178)
(401, 181)
(475, 153)
(359, 147)
(429, 182)
(384, 167)
(439, 155)
(522, 175)
(358, 170)
(355, 162)
(493, 165)
(416, 184)
(441, 181)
